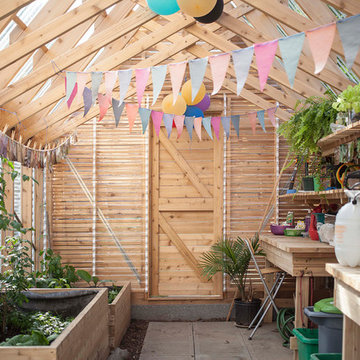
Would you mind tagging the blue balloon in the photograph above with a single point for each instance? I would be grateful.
(163, 7)
(192, 110)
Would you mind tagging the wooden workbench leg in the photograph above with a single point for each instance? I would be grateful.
(351, 340)
(301, 301)
(269, 279)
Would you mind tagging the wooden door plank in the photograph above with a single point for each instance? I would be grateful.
(186, 204)
(182, 248)
(184, 166)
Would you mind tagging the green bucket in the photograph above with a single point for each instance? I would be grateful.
(308, 342)
(326, 357)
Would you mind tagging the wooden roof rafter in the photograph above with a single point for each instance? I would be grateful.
(141, 24)
(27, 109)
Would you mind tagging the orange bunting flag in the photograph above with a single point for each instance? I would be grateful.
(320, 41)
(103, 104)
(197, 126)
(252, 118)
(131, 111)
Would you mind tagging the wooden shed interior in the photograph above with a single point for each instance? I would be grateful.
(137, 207)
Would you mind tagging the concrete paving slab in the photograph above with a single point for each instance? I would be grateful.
(168, 339)
(211, 341)
(218, 338)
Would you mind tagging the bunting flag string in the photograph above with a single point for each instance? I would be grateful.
(320, 41)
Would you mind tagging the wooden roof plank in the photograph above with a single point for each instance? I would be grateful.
(8, 8)
(52, 30)
(285, 15)
(72, 56)
(66, 41)
(51, 10)
(350, 7)
(305, 64)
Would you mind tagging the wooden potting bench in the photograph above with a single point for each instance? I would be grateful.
(302, 258)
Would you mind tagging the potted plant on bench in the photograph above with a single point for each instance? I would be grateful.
(232, 257)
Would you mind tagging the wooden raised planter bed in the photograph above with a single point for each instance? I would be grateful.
(86, 338)
(119, 315)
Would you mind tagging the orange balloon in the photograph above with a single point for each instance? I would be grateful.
(186, 93)
(178, 108)
(196, 8)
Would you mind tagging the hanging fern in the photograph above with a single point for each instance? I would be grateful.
(310, 122)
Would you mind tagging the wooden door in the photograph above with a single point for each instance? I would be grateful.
(186, 213)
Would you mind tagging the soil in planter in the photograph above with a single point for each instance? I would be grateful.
(134, 338)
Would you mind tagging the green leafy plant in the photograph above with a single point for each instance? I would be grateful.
(53, 274)
(348, 100)
(310, 122)
(231, 257)
(36, 338)
(83, 274)
(49, 324)
(113, 293)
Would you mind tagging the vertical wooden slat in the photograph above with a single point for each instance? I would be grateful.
(26, 204)
(218, 200)
(154, 243)
(39, 215)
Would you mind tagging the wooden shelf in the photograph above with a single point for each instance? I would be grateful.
(314, 196)
(329, 143)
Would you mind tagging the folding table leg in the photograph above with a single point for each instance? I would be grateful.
(268, 305)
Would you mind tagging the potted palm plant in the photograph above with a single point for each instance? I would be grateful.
(232, 257)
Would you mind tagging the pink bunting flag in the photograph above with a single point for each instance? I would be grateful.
(265, 54)
(197, 126)
(72, 96)
(320, 41)
(271, 114)
(110, 79)
(103, 104)
(131, 110)
(215, 122)
(157, 117)
(81, 79)
(142, 77)
(219, 65)
(177, 72)
(252, 118)
(179, 123)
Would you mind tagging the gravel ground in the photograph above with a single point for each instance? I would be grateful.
(134, 338)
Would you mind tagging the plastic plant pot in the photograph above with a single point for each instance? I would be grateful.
(326, 357)
(307, 340)
(308, 183)
(330, 329)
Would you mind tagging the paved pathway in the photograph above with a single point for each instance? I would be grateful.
(211, 341)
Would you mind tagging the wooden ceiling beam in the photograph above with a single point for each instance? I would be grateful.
(349, 7)
(62, 44)
(9, 7)
(285, 15)
(53, 29)
(72, 56)
(50, 11)
(119, 57)
(255, 36)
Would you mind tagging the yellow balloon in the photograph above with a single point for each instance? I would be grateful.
(186, 93)
(196, 8)
(178, 108)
